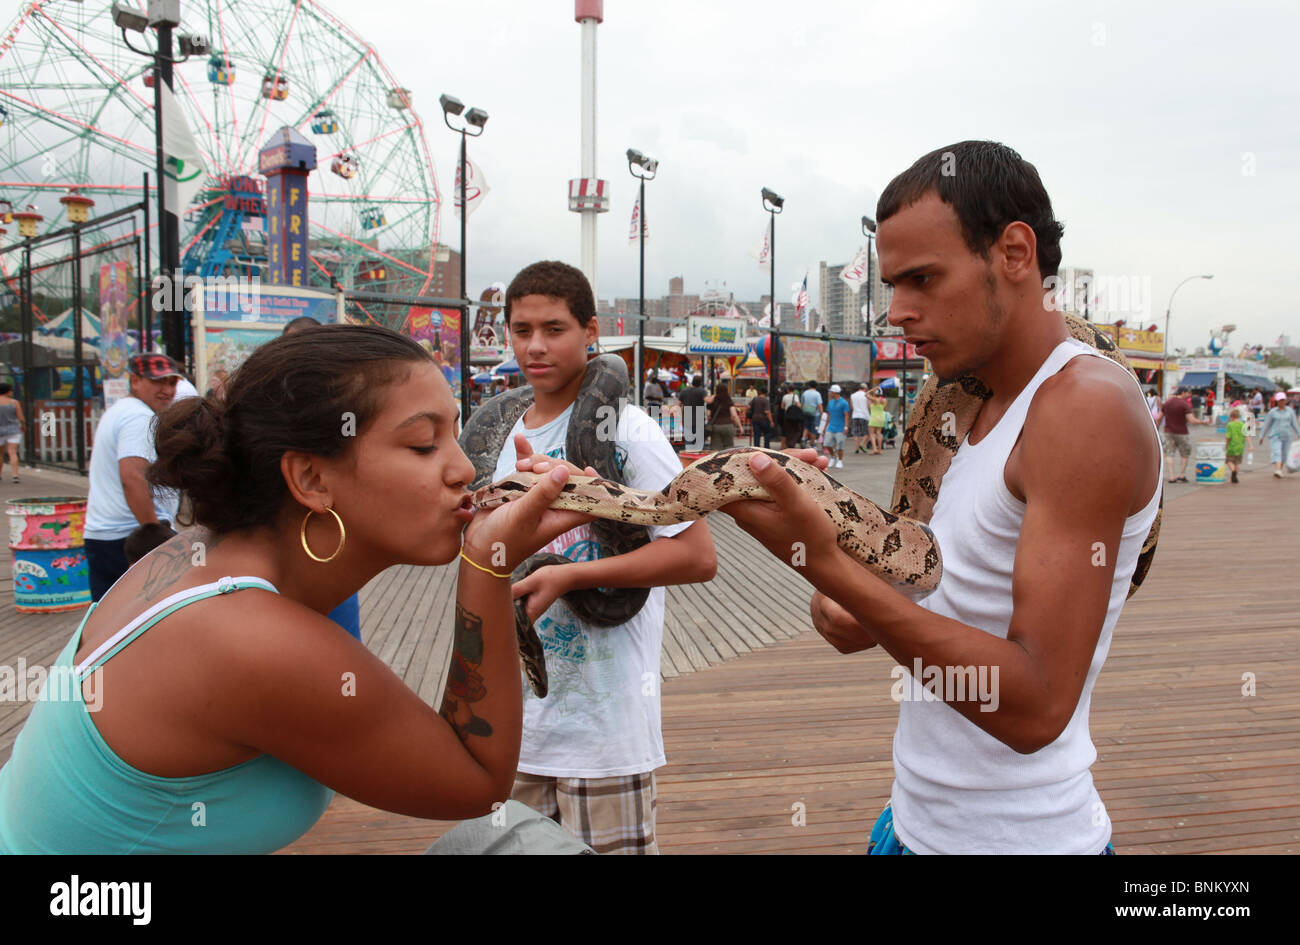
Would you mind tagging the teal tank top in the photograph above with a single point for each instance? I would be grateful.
(64, 790)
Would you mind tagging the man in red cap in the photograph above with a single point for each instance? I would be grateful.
(123, 448)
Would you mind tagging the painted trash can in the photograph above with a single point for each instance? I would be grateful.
(47, 540)
(1211, 463)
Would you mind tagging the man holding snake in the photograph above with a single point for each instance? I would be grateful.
(1040, 517)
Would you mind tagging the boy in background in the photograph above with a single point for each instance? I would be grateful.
(1235, 444)
(591, 746)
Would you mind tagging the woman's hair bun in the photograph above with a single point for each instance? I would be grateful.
(193, 456)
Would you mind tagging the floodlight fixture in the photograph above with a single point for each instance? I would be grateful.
(476, 117)
(130, 18)
(868, 225)
(450, 105)
(773, 198)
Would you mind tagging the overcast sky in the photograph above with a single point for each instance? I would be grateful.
(1166, 133)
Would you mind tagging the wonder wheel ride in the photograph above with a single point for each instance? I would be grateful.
(77, 111)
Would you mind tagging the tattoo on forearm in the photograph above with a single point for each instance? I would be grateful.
(464, 679)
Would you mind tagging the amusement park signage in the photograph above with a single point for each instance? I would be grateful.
(244, 194)
(893, 350)
(719, 336)
(1132, 339)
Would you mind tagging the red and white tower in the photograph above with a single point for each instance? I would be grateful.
(588, 195)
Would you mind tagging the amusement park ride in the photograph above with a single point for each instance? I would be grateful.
(76, 119)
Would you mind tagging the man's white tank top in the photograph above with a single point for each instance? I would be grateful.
(956, 788)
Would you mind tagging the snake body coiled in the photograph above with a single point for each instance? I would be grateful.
(604, 389)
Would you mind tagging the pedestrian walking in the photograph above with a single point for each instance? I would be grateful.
(760, 421)
(858, 427)
(724, 420)
(1280, 425)
(1235, 442)
(12, 426)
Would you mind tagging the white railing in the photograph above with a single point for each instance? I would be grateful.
(55, 429)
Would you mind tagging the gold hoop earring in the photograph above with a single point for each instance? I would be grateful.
(343, 536)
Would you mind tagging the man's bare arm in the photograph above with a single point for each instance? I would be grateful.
(1081, 471)
(139, 497)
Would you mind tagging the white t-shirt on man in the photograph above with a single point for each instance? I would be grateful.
(601, 717)
(126, 429)
(861, 409)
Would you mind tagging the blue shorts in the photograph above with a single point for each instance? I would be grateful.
(884, 842)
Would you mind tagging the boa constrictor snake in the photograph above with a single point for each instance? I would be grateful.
(895, 545)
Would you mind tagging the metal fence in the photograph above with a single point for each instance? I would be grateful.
(78, 297)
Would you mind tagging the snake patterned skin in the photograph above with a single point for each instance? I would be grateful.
(604, 390)
(944, 414)
(900, 551)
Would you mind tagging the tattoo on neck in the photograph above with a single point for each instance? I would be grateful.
(464, 680)
(170, 560)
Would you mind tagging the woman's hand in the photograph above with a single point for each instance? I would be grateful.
(503, 537)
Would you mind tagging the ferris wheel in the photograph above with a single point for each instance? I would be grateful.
(77, 111)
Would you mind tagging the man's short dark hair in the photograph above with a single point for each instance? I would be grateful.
(988, 186)
(301, 323)
(554, 280)
(697, 380)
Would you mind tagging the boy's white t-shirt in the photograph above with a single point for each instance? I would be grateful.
(601, 717)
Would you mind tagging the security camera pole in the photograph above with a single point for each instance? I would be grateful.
(163, 16)
(773, 204)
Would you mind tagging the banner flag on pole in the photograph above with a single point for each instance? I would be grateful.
(801, 303)
(763, 252)
(183, 169)
(636, 217)
(855, 273)
(476, 187)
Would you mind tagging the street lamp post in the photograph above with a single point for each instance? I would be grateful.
(1164, 354)
(869, 231)
(773, 203)
(163, 16)
(475, 118)
(648, 169)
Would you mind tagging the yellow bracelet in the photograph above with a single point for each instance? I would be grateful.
(474, 564)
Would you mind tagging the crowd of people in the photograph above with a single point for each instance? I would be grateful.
(1245, 424)
(239, 708)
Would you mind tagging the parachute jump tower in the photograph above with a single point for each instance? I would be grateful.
(588, 195)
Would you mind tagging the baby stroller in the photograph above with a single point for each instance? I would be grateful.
(889, 434)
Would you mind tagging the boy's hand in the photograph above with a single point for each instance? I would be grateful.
(543, 588)
(527, 461)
